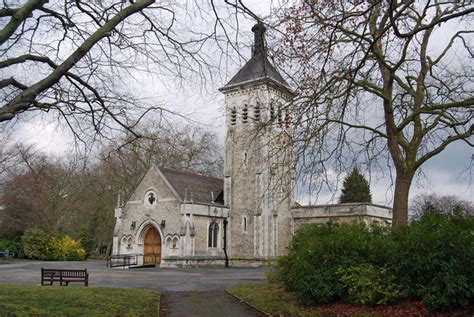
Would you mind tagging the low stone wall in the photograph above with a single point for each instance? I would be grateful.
(250, 262)
(193, 261)
(341, 213)
(212, 261)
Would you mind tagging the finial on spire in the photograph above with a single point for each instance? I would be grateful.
(259, 39)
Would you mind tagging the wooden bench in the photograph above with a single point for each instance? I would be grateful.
(64, 276)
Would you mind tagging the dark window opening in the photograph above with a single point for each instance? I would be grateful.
(212, 235)
(233, 116)
(151, 198)
(257, 112)
(245, 114)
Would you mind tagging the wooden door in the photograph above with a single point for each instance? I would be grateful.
(152, 250)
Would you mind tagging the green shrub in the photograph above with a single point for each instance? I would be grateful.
(367, 284)
(11, 244)
(431, 260)
(317, 251)
(75, 255)
(35, 241)
(51, 247)
(434, 260)
(64, 249)
(86, 240)
(74, 249)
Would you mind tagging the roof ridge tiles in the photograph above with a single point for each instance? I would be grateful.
(166, 169)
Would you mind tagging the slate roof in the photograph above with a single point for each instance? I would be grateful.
(194, 187)
(258, 67)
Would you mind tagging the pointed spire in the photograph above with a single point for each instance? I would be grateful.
(259, 39)
(258, 68)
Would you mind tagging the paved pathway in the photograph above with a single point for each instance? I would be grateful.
(185, 292)
(211, 303)
(160, 279)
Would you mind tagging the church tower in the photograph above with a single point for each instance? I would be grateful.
(258, 177)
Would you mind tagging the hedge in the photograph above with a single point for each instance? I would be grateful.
(431, 260)
(38, 244)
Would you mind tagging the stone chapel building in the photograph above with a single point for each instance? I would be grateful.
(176, 218)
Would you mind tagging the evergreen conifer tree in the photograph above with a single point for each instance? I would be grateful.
(355, 189)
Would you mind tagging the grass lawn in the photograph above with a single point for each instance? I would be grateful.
(33, 300)
(270, 298)
(274, 300)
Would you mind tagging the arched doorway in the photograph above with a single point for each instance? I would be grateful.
(152, 247)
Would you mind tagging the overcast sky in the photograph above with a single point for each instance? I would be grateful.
(448, 173)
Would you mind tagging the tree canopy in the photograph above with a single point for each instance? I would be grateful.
(387, 82)
(355, 189)
(443, 204)
(77, 196)
(82, 60)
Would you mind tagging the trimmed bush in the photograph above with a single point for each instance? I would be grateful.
(367, 284)
(318, 251)
(431, 260)
(35, 241)
(64, 249)
(51, 247)
(434, 260)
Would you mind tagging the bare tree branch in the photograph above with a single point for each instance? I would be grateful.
(374, 86)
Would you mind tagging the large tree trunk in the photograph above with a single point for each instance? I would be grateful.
(400, 202)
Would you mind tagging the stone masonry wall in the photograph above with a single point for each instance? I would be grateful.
(138, 211)
(249, 161)
(341, 213)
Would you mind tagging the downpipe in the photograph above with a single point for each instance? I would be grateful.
(225, 243)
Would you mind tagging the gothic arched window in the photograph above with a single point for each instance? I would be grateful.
(212, 235)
